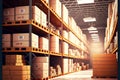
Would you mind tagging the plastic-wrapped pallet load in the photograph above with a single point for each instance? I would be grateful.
(56, 6)
(40, 67)
(6, 40)
(43, 43)
(8, 14)
(22, 40)
(22, 13)
(54, 44)
(58, 70)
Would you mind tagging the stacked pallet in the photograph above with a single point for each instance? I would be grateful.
(54, 44)
(43, 43)
(21, 13)
(11, 72)
(104, 65)
(15, 68)
(22, 40)
(40, 67)
(6, 40)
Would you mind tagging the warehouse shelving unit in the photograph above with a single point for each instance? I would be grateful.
(31, 26)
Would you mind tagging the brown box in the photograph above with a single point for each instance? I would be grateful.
(24, 44)
(40, 66)
(40, 60)
(6, 44)
(22, 77)
(56, 6)
(6, 37)
(24, 37)
(8, 12)
(40, 74)
(8, 18)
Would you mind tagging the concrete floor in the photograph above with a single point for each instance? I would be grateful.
(82, 75)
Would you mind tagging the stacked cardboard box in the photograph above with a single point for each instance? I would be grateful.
(44, 43)
(54, 44)
(6, 40)
(14, 60)
(11, 72)
(40, 67)
(105, 65)
(8, 14)
(22, 40)
(64, 48)
(65, 65)
(65, 13)
(22, 13)
(56, 6)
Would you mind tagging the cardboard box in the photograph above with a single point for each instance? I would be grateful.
(6, 37)
(65, 13)
(24, 44)
(64, 48)
(40, 60)
(6, 44)
(44, 43)
(8, 18)
(43, 18)
(65, 34)
(8, 12)
(40, 74)
(40, 66)
(24, 37)
(56, 6)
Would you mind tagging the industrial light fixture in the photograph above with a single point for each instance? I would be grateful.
(93, 31)
(89, 19)
(94, 34)
(92, 28)
(85, 1)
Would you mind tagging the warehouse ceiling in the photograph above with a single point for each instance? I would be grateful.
(98, 9)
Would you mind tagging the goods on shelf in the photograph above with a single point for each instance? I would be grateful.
(54, 44)
(72, 23)
(43, 18)
(58, 70)
(52, 72)
(40, 67)
(64, 48)
(11, 72)
(8, 14)
(64, 34)
(43, 43)
(17, 60)
(70, 65)
(6, 40)
(22, 13)
(65, 65)
(65, 14)
(56, 6)
(22, 40)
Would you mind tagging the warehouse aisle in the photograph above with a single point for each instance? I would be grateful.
(82, 75)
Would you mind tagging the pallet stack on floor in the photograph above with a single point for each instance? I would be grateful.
(15, 68)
